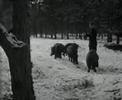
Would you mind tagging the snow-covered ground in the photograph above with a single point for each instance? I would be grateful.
(61, 80)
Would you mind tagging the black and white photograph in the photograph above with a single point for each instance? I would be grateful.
(60, 49)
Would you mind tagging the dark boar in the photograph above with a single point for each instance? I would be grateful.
(57, 50)
(71, 49)
(92, 60)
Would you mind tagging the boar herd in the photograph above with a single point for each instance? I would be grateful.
(71, 50)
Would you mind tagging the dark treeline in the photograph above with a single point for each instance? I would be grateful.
(50, 17)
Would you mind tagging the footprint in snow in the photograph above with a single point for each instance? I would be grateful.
(50, 67)
(61, 68)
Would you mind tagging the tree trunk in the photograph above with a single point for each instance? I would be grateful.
(93, 39)
(80, 35)
(85, 36)
(62, 36)
(51, 35)
(46, 35)
(55, 34)
(109, 37)
(118, 39)
(67, 35)
(19, 58)
(76, 37)
(41, 35)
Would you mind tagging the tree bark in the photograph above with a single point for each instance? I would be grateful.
(93, 39)
(19, 58)
(55, 35)
(62, 35)
(51, 35)
(118, 39)
(67, 34)
(109, 37)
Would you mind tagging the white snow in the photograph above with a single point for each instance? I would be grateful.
(59, 79)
